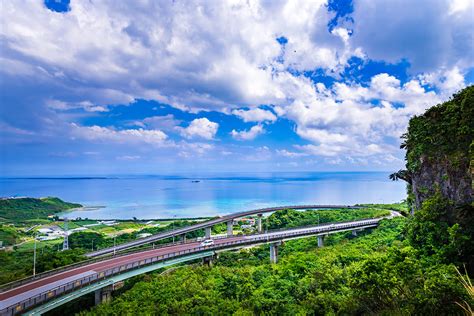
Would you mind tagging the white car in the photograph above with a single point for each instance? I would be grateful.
(207, 242)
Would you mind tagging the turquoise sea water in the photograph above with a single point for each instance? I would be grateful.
(126, 197)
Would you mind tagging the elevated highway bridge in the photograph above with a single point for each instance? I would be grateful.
(207, 225)
(34, 296)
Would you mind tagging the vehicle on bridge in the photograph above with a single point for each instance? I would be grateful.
(207, 242)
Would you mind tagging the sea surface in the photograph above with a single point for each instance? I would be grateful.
(153, 197)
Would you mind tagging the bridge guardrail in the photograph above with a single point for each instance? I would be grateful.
(79, 283)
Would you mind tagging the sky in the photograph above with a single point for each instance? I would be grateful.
(152, 87)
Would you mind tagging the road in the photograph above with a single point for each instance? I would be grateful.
(18, 294)
(209, 223)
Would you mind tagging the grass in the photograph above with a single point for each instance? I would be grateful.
(467, 284)
(29, 245)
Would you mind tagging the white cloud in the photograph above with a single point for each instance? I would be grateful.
(429, 34)
(164, 122)
(128, 157)
(255, 115)
(223, 56)
(202, 55)
(190, 150)
(201, 128)
(290, 154)
(346, 121)
(105, 134)
(85, 105)
(250, 134)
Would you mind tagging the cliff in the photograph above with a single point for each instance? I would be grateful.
(439, 155)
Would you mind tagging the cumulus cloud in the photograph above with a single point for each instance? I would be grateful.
(351, 119)
(203, 55)
(200, 128)
(224, 56)
(163, 122)
(250, 134)
(105, 134)
(255, 115)
(429, 34)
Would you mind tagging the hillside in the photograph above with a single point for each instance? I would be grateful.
(20, 209)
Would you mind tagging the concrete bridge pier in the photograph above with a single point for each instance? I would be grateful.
(183, 238)
(274, 251)
(354, 232)
(103, 295)
(321, 241)
(209, 260)
(208, 232)
(230, 228)
(259, 223)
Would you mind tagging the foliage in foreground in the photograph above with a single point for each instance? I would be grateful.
(375, 273)
(431, 234)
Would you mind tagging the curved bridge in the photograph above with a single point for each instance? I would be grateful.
(50, 290)
(208, 224)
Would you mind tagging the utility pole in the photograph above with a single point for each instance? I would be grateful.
(66, 235)
(114, 245)
(34, 258)
(174, 218)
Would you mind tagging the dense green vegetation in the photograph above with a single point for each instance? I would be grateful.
(402, 207)
(292, 218)
(444, 129)
(21, 209)
(19, 264)
(8, 235)
(430, 232)
(376, 273)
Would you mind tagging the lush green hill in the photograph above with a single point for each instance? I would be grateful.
(20, 209)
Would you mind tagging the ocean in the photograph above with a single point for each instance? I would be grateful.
(153, 197)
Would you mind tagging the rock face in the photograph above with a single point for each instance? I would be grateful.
(452, 179)
(440, 153)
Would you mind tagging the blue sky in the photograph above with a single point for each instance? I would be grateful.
(177, 86)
